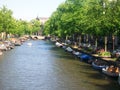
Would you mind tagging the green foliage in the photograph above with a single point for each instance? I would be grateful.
(5, 18)
(105, 54)
(95, 17)
(10, 25)
(35, 25)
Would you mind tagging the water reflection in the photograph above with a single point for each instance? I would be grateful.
(43, 66)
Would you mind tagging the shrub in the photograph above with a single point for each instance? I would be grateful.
(105, 54)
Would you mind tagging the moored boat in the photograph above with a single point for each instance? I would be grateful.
(17, 43)
(111, 71)
(86, 58)
(58, 44)
(3, 47)
(69, 49)
(76, 53)
(98, 64)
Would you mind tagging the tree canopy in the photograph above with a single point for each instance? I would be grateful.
(10, 25)
(93, 17)
(85, 16)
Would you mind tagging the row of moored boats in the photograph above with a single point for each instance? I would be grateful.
(11, 43)
(109, 68)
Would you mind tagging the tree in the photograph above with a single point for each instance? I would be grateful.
(35, 26)
(6, 19)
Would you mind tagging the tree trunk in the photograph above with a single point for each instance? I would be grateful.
(105, 43)
(116, 41)
(113, 37)
(80, 39)
(87, 38)
(66, 37)
(3, 35)
(96, 42)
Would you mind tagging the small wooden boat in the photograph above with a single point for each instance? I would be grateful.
(98, 65)
(111, 71)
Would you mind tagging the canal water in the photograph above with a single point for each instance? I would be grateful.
(43, 66)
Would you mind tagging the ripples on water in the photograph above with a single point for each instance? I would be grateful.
(43, 66)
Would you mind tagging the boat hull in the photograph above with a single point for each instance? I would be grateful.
(98, 67)
(111, 74)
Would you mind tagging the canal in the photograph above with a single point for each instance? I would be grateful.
(43, 66)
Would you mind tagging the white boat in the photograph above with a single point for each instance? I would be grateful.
(29, 44)
(76, 53)
(58, 44)
(69, 49)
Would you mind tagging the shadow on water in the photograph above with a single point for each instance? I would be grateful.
(60, 53)
(91, 76)
(97, 78)
(94, 77)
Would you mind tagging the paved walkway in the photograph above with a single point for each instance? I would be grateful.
(95, 55)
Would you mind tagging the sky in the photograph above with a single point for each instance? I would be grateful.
(30, 9)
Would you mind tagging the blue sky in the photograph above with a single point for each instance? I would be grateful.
(29, 9)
